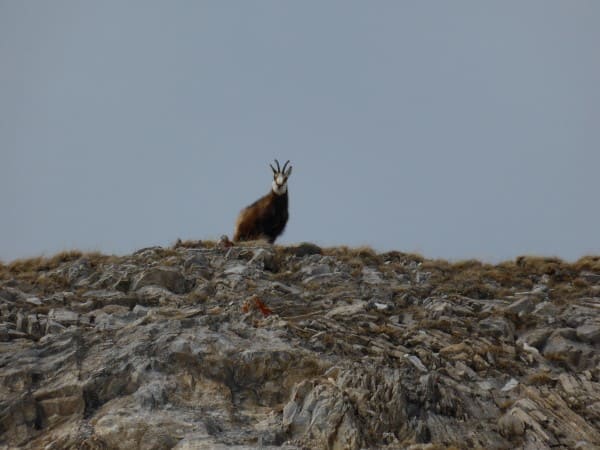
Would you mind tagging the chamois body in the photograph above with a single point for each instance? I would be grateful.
(267, 217)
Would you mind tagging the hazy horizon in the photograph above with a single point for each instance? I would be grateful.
(456, 130)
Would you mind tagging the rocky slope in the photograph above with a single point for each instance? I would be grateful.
(207, 346)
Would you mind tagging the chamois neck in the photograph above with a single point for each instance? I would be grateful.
(279, 200)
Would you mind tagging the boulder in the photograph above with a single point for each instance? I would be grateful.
(589, 333)
(169, 278)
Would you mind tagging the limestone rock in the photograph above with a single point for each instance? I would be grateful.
(521, 307)
(589, 333)
(498, 327)
(101, 298)
(256, 346)
(562, 346)
(166, 277)
(590, 277)
(537, 338)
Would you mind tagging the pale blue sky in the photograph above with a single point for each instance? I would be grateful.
(461, 129)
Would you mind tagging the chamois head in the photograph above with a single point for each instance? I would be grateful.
(280, 177)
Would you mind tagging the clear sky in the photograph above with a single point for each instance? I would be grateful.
(461, 129)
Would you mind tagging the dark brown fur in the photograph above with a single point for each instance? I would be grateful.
(264, 219)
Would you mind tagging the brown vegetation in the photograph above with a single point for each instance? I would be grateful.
(540, 378)
(41, 272)
(590, 263)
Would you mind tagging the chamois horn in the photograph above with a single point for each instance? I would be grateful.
(273, 168)
(284, 166)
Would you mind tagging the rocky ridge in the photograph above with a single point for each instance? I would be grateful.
(208, 346)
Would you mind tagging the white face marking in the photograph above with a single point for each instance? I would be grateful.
(279, 184)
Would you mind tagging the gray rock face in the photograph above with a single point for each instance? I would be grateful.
(169, 278)
(562, 346)
(589, 333)
(264, 347)
(521, 307)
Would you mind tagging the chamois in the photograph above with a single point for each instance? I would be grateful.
(266, 217)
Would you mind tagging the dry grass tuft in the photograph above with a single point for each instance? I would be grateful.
(469, 282)
(166, 252)
(27, 265)
(444, 325)
(494, 350)
(401, 258)
(39, 271)
(588, 263)
(556, 357)
(194, 244)
(540, 378)
(41, 263)
(538, 265)
(366, 254)
(467, 265)
(580, 283)
(505, 274)
(64, 257)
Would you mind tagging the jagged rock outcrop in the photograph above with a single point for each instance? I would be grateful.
(203, 346)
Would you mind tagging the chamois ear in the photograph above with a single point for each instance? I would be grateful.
(288, 172)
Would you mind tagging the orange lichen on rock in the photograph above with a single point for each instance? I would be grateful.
(255, 302)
